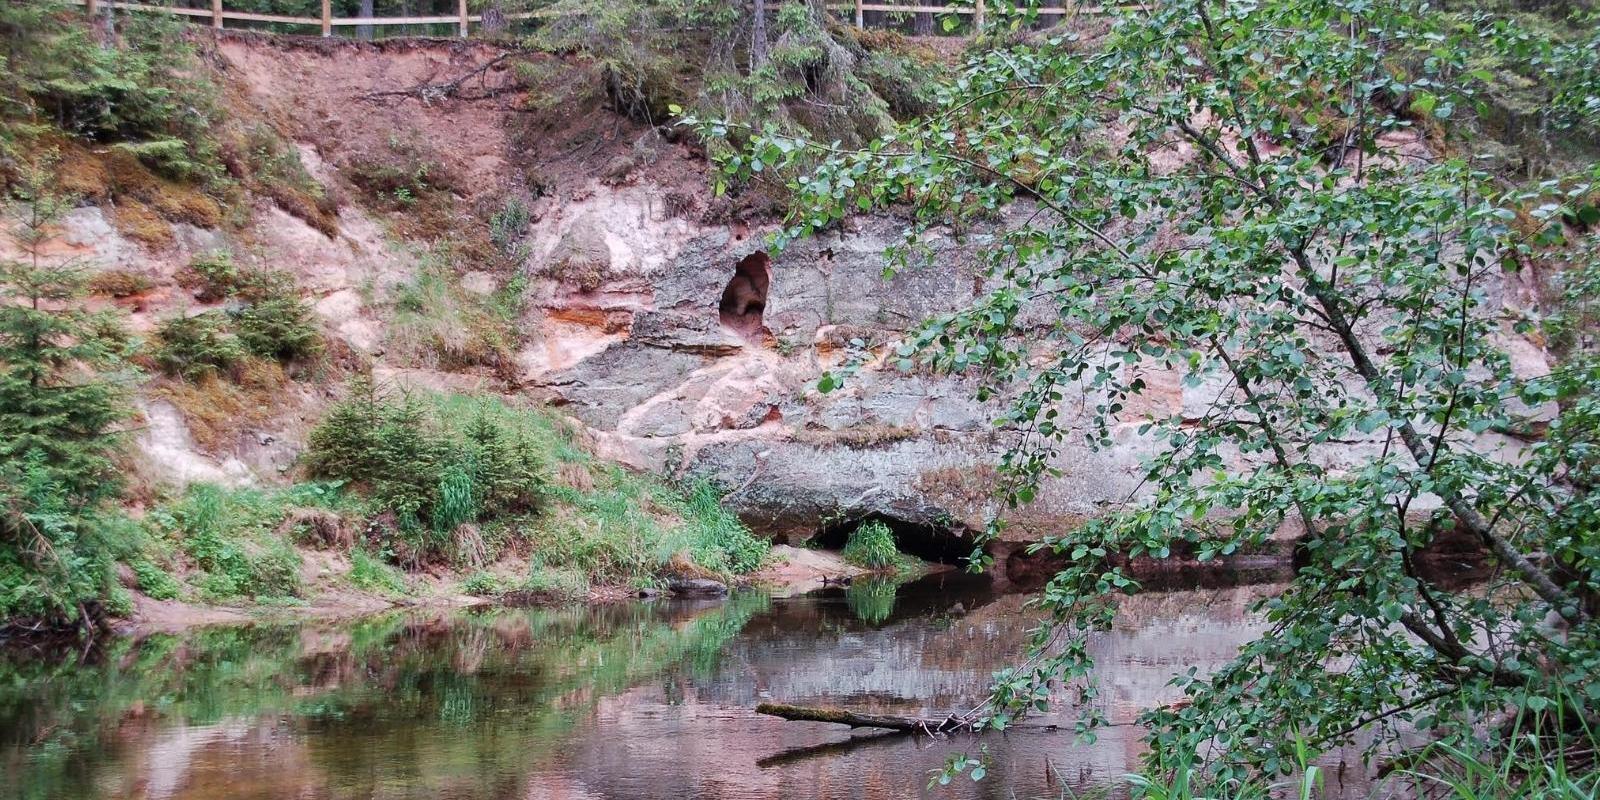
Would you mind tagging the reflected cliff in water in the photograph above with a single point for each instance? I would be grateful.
(630, 702)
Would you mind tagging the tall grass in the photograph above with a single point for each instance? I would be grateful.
(872, 546)
(416, 468)
(1558, 761)
(434, 323)
(370, 573)
(606, 524)
(1182, 776)
(712, 535)
(1525, 773)
(630, 529)
(1558, 764)
(230, 539)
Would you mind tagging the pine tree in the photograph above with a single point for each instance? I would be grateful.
(61, 401)
(60, 392)
(345, 444)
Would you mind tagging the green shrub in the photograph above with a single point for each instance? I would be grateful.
(65, 564)
(271, 320)
(872, 546)
(371, 574)
(212, 277)
(281, 327)
(563, 583)
(195, 347)
(229, 535)
(156, 582)
(218, 586)
(275, 571)
(432, 462)
(428, 464)
(481, 584)
(118, 601)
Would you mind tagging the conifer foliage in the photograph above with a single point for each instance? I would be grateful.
(430, 471)
(61, 402)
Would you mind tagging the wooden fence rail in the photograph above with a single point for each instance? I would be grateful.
(327, 22)
(218, 15)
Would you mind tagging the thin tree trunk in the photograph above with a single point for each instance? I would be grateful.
(364, 32)
(758, 37)
(922, 25)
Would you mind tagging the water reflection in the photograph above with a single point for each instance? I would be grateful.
(626, 702)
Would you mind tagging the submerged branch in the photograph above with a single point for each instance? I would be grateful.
(882, 721)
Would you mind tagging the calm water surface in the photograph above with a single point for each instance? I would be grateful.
(631, 702)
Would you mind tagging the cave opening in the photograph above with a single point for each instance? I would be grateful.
(744, 299)
(928, 542)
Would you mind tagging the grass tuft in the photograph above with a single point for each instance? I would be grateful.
(371, 574)
(872, 546)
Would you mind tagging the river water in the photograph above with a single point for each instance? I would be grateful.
(639, 701)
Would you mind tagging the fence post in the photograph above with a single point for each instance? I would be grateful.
(327, 17)
(90, 7)
(461, 6)
(216, 14)
(978, 18)
(861, 20)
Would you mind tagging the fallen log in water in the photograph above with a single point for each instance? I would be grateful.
(854, 720)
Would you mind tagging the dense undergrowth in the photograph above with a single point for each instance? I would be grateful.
(127, 113)
(131, 116)
(801, 71)
(413, 483)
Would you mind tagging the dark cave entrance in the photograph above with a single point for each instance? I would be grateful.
(927, 542)
(744, 299)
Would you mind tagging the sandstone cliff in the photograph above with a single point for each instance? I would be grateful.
(649, 311)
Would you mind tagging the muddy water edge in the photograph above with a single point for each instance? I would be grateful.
(632, 701)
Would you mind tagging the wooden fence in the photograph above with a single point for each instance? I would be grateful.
(218, 15)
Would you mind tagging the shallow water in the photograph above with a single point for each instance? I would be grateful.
(630, 702)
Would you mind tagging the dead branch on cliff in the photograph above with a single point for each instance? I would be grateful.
(430, 93)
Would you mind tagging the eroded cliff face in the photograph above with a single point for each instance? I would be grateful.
(645, 349)
(673, 378)
(652, 313)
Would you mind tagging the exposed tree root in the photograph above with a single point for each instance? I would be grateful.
(455, 89)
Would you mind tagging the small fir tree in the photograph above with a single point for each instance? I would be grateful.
(61, 402)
